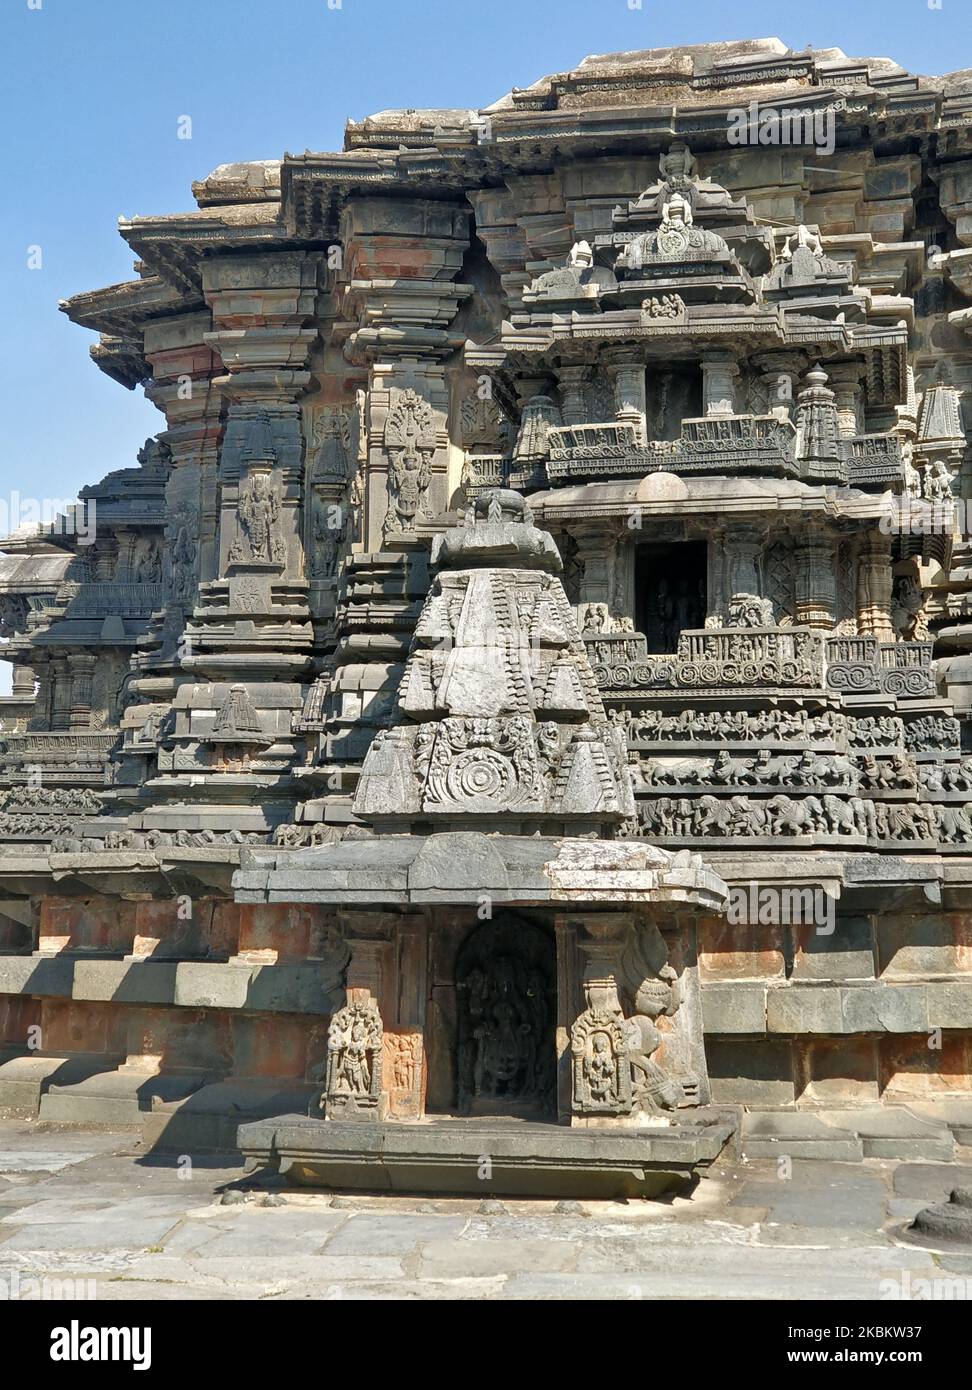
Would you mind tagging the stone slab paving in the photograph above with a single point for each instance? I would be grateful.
(80, 1205)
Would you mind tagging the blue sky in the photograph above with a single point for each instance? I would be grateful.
(93, 91)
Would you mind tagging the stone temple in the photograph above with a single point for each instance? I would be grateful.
(520, 704)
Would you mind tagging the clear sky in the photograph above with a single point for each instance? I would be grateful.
(93, 91)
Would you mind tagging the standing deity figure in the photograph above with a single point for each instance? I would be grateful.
(354, 1043)
(410, 441)
(258, 510)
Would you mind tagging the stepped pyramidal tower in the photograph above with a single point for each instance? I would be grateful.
(520, 702)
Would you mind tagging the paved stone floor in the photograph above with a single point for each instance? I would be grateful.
(84, 1205)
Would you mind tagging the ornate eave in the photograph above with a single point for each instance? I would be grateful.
(173, 246)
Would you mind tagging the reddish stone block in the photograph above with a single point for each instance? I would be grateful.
(86, 924)
(18, 1015)
(736, 951)
(69, 1025)
(909, 1067)
(271, 932)
(270, 1046)
(843, 1072)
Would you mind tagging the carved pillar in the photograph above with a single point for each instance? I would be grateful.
(874, 583)
(781, 372)
(845, 379)
(22, 684)
(82, 672)
(595, 552)
(717, 599)
(719, 372)
(597, 1034)
(401, 296)
(61, 694)
(573, 383)
(629, 392)
(743, 546)
(259, 305)
(815, 582)
(568, 1006)
(405, 1077)
(184, 365)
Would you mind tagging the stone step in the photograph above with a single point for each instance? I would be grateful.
(470, 1156)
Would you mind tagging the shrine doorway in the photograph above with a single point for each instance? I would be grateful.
(506, 1008)
(670, 591)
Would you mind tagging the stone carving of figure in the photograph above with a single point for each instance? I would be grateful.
(182, 557)
(938, 482)
(333, 434)
(354, 1041)
(258, 510)
(600, 1070)
(908, 610)
(676, 164)
(329, 540)
(910, 474)
(410, 441)
(149, 568)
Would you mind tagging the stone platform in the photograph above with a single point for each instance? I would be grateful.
(483, 1158)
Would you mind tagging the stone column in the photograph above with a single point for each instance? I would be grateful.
(600, 941)
(573, 383)
(184, 366)
(82, 673)
(781, 372)
(629, 390)
(400, 296)
(816, 582)
(716, 597)
(61, 694)
(595, 551)
(404, 1055)
(874, 583)
(845, 381)
(743, 547)
(719, 372)
(22, 684)
(568, 1005)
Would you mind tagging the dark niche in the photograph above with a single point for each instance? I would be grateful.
(506, 991)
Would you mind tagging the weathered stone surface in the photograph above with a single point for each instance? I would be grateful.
(527, 676)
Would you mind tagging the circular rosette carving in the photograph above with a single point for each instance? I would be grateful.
(710, 672)
(688, 674)
(730, 672)
(622, 675)
(790, 672)
(770, 673)
(750, 672)
(480, 774)
(602, 674)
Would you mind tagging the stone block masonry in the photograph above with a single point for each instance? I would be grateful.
(527, 677)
